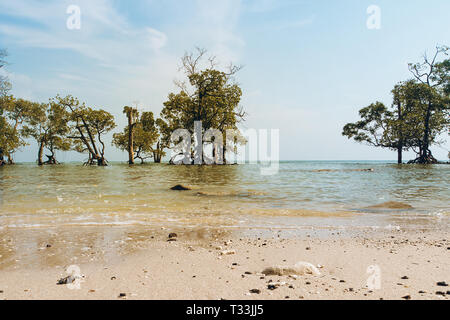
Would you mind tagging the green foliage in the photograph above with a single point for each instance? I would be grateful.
(14, 114)
(371, 129)
(5, 85)
(145, 135)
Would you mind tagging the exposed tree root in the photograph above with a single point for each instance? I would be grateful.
(426, 158)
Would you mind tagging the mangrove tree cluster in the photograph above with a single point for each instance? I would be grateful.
(418, 115)
(64, 123)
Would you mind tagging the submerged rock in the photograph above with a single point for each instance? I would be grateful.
(300, 268)
(180, 187)
(392, 205)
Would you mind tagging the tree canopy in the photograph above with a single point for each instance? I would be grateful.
(48, 125)
(207, 95)
(87, 126)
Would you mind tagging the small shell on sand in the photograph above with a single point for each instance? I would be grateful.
(227, 252)
(300, 268)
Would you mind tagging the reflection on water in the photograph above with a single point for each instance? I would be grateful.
(302, 192)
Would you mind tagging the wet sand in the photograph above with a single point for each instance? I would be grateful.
(223, 264)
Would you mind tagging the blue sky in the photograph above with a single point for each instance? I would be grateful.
(309, 65)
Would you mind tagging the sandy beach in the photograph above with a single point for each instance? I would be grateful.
(217, 264)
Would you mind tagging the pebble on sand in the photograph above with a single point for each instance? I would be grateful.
(172, 237)
(66, 280)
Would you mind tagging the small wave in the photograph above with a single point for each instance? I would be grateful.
(298, 213)
(244, 194)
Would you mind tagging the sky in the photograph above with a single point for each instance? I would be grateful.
(308, 65)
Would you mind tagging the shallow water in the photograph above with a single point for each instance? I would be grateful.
(302, 194)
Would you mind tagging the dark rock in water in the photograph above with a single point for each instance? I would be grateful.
(271, 287)
(172, 237)
(408, 297)
(440, 293)
(256, 291)
(66, 280)
(180, 187)
(122, 295)
(442, 284)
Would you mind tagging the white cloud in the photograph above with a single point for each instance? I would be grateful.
(104, 35)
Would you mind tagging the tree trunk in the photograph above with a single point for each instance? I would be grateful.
(157, 153)
(41, 153)
(400, 133)
(426, 156)
(224, 151)
(400, 154)
(130, 139)
(10, 159)
(156, 157)
(101, 162)
(2, 161)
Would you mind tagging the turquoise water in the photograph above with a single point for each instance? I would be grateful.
(302, 194)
